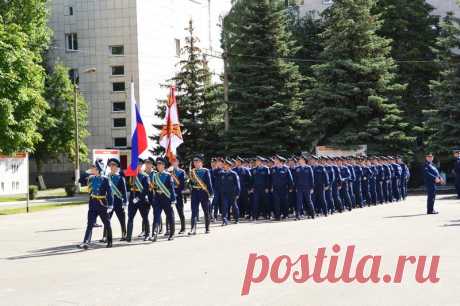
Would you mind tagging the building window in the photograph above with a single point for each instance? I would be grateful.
(117, 50)
(119, 142)
(119, 106)
(119, 122)
(118, 70)
(73, 75)
(177, 42)
(118, 86)
(71, 41)
(70, 11)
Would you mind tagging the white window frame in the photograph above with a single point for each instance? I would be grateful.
(70, 45)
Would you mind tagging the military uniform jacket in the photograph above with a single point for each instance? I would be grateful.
(164, 186)
(321, 176)
(281, 178)
(358, 173)
(330, 173)
(141, 188)
(352, 173)
(380, 175)
(261, 177)
(345, 174)
(396, 170)
(118, 185)
(204, 176)
(179, 180)
(430, 174)
(100, 191)
(405, 173)
(457, 168)
(337, 176)
(386, 172)
(245, 177)
(368, 173)
(230, 183)
(215, 176)
(303, 178)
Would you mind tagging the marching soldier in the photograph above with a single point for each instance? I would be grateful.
(216, 204)
(321, 184)
(405, 176)
(138, 201)
(345, 190)
(150, 172)
(120, 201)
(229, 192)
(336, 186)
(260, 188)
(202, 192)
(179, 178)
(357, 187)
(328, 192)
(304, 184)
(245, 177)
(396, 179)
(165, 197)
(281, 184)
(100, 204)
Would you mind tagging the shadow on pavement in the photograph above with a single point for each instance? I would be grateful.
(58, 230)
(452, 223)
(405, 216)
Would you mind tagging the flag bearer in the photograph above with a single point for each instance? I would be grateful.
(179, 178)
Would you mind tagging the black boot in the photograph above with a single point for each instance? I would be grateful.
(172, 230)
(193, 228)
(109, 237)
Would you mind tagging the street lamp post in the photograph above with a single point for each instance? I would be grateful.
(77, 138)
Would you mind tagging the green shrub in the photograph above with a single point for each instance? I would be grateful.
(33, 190)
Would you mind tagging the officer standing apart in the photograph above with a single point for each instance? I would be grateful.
(457, 172)
(100, 204)
(229, 192)
(202, 192)
(431, 178)
(165, 197)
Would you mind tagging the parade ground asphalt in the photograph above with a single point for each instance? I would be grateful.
(40, 264)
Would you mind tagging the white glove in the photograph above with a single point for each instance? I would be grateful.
(125, 205)
(135, 200)
(173, 202)
(211, 198)
(109, 209)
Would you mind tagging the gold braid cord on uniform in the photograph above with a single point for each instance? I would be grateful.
(176, 180)
(197, 180)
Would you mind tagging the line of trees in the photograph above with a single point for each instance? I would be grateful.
(377, 72)
(36, 96)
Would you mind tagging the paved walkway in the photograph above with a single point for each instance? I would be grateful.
(40, 265)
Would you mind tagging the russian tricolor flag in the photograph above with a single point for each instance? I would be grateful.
(138, 136)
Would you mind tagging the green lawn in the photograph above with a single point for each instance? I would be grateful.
(46, 206)
(12, 198)
(48, 193)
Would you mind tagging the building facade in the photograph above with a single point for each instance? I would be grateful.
(124, 40)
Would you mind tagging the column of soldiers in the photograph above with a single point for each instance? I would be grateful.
(273, 188)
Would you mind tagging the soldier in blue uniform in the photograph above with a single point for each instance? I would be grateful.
(245, 177)
(322, 183)
(140, 185)
(304, 184)
(260, 187)
(387, 197)
(120, 200)
(216, 170)
(457, 172)
(366, 181)
(202, 192)
(100, 204)
(345, 190)
(281, 184)
(328, 192)
(337, 186)
(405, 176)
(150, 172)
(229, 192)
(292, 164)
(431, 177)
(357, 188)
(179, 178)
(165, 197)
(396, 179)
(351, 182)
(380, 177)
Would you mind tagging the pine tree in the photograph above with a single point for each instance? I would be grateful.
(199, 103)
(444, 118)
(355, 99)
(413, 30)
(265, 86)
